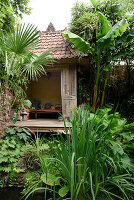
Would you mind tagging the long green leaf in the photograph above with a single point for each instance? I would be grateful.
(91, 185)
(79, 43)
(72, 175)
(105, 26)
(117, 30)
(94, 3)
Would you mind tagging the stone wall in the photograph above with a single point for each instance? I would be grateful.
(5, 107)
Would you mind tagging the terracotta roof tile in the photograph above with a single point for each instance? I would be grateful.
(54, 40)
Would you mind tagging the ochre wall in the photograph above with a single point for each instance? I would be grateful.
(46, 90)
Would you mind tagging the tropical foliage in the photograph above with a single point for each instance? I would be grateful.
(10, 11)
(84, 20)
(115, 10)
(19, 63)
(92, 161)
(100, 51)
(87, 22)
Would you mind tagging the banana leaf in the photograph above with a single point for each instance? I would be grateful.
(105, 26)
(78, 42)
(117, 30)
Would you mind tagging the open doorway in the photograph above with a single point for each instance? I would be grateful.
(45, 95)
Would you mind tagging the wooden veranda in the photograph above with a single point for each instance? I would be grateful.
(43, 125)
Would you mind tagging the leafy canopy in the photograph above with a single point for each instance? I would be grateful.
(10, 10)
(84, 20)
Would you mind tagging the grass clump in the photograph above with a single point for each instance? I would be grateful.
(92, 160)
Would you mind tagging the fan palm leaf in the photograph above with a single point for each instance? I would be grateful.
(32, 66)
(24, 38)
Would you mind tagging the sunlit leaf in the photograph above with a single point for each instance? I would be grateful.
(50, 179)
(63, 191)
(18, 170)
(94, 3)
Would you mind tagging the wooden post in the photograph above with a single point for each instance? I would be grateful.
(69, 90)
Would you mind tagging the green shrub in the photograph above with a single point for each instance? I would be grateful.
(10, 151)
(12, 147)
(42, 174)
(46, 177)
(18, 134)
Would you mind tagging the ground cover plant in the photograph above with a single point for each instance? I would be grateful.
(12, 148)
(42, 175)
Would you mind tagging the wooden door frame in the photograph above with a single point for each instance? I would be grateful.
(66, 93)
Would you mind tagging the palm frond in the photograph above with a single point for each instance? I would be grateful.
(22, 39)
(33, 66)
(46, 58)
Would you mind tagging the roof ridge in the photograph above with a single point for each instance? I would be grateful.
(56, 31)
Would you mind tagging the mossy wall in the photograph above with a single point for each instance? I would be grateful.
(5, 108)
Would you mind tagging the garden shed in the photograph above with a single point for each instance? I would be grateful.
(57, 90)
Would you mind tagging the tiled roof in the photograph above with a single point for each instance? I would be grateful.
(55, 41)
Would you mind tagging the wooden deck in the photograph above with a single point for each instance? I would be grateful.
(43, 125)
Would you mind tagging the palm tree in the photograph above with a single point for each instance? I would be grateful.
(19, 62)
